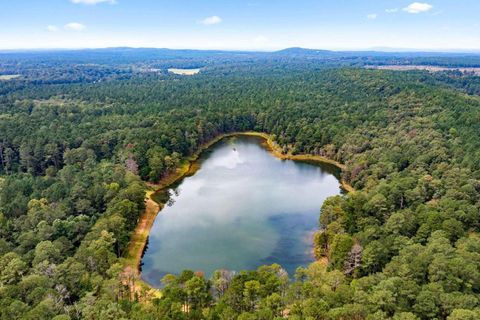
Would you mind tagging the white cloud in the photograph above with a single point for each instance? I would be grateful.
(372, 16)
(74, 26)
(210, 21)
(52, 28)
(393, 10)
(91, 2)
(418, 7)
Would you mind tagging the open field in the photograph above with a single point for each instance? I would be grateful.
(7, 77)
(427, 68)
(184, 72)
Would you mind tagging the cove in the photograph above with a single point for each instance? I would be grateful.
(241, 209)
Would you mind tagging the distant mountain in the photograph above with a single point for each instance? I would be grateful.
(303, 51)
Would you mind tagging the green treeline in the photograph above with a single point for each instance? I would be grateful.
(405, 245)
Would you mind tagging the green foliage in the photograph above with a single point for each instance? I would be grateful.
(73, 154)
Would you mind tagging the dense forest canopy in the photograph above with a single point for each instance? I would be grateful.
(82, 133)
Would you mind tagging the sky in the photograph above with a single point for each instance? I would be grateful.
(241, 24)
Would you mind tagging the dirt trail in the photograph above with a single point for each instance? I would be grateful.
(140, 235)
(131, 272)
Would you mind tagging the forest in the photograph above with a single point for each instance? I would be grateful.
(80, 142)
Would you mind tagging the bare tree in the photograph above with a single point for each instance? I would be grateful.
(353, 260)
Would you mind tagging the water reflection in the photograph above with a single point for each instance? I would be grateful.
(242, 209)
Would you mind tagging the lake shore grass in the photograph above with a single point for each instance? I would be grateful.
(188, 167)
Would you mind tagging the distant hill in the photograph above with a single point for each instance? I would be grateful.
(166, 52)
(303, 51)
(199, 58)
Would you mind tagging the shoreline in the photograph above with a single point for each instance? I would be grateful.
(138, 240)
(275, 151)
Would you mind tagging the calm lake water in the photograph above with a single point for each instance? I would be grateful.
(242, 209)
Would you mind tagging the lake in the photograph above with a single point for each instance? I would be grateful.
(242, 209)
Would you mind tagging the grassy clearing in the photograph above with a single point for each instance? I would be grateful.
(184, 72)
(6, 77)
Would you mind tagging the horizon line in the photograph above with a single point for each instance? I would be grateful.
(252, 50)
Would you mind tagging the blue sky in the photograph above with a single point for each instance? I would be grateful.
(236, 24)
